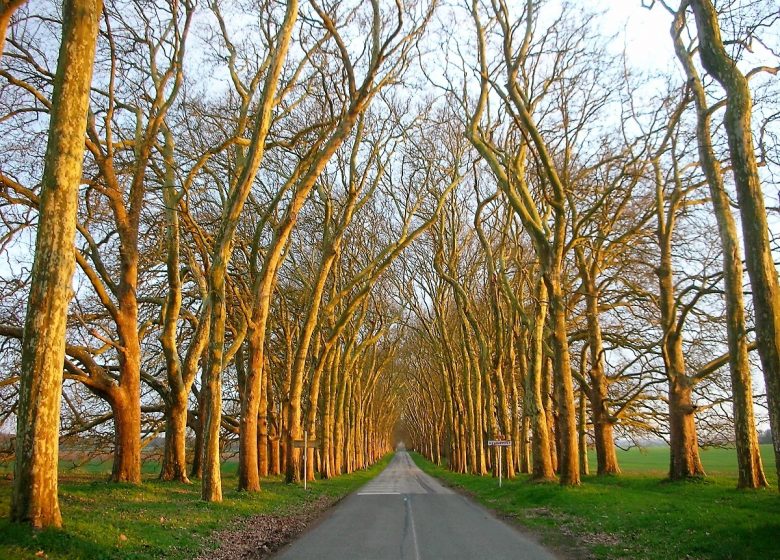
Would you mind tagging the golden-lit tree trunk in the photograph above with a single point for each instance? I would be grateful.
(43, 346)
(262, 422)
(603, 421)
(582, 430)
(683, 442)
(755, 231)
(174, 465)
(7, 10)
(750, 468)
(542, 466)
(125, 404)
(211, 490)
(180, 373)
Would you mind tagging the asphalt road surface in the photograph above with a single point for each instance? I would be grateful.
(405, 514)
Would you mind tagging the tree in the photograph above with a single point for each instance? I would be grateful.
(751, 472)
(755, 232)
(220, 256)
(549, 240)
(7, 10)
(43, 345)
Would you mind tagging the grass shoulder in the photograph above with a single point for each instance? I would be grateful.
(103, 520)
(635, 515)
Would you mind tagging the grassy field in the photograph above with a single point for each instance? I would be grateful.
(718, 462)
(638, 515)
(154, 520)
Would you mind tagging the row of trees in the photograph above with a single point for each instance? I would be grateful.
(580, 284)
(250, 173)
(300, 219)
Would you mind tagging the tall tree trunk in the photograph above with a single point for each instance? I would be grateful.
(524, 465)
(755, 230)
(127, 436)
(211, 487)
(197, 448)
(683, 443)
(7, 10)
(174, 465)
(564, 387)
(534, 401)
(582, 431)
(548, 399)
(684, 461)
(606, 455)
(34, 497)
(262, 427)
(248, 467)
(750, 468)
(212, 482)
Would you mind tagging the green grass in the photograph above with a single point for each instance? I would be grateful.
(638, 515)
(157, 519)
(718, 461)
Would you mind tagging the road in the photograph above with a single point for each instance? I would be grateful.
(405, 514)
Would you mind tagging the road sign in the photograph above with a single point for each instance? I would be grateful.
(499, 443)
(305, 443)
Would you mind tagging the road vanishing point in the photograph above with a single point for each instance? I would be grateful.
(405, 514)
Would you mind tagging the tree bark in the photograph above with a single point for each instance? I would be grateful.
(755, 232)
(683, 442)
(534, 402)
(174, 466)
(582, 431)
(7, 10)
(212, 482)
(34, 497)
(125, 405)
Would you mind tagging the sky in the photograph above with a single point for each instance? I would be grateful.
(644, 33)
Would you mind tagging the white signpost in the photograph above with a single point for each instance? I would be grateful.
(305, 444)
(499, 443)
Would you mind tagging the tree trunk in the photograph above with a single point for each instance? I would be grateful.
(564, 388)
(683, 442)
(751, 471)
(534, 401)
(606, 456)
(7, 9)
(684, 461)
(548, 400)
(127, 437)
(197, 448)
(174, 465)
(34, 497)
(755, 230)
(211, 487)
(262, 426)
(582, 432)
(248, 454)
(212, 481)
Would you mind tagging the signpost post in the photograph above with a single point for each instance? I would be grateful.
(305, 444)
(499, 443)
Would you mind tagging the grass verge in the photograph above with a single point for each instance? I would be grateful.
(636, 515)
(102, 520)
